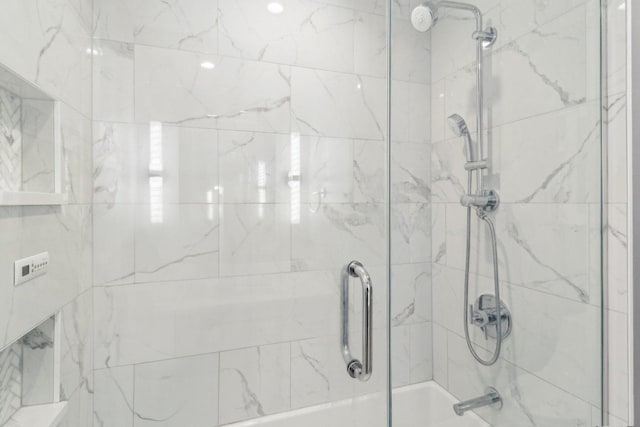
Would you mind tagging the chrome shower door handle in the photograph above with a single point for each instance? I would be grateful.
(360, 370)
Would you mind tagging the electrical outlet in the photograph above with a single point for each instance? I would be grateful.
(29, 268)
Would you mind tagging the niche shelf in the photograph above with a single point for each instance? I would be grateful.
(30, 379)
(30, 144)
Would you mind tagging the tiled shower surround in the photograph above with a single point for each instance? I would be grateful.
(211, 280)
(216, 271)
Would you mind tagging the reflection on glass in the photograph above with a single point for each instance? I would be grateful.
(294, 178)
(155, 173)
(262, 187)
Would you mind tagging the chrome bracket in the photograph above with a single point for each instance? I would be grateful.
(488, 37)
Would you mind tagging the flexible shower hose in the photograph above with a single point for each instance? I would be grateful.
(496, 280)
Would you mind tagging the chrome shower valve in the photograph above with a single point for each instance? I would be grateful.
(484, 315)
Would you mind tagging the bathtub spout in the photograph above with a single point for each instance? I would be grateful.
(491, 398)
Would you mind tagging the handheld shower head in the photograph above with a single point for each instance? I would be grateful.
(459, 128)
(424, 16)
(458, 125)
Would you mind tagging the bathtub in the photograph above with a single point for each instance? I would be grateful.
(421, 405)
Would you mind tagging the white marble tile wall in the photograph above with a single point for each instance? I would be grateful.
(543, 139)
(49, 44)
(205, 243)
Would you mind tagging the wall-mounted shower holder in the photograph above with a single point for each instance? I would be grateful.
(485, 316)
(488, 201)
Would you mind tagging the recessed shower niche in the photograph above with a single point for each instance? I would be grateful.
(30, 144)
(30, 379)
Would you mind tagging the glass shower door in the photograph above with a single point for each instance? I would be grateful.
(541, 115)
(241, 166)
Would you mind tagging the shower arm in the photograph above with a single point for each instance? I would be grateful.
(479, 36)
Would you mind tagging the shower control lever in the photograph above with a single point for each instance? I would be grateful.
(484, 315)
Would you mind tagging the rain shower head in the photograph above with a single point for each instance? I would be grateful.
(459, 128)
(424, 16)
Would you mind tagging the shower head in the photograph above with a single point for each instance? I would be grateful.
(457, 124)
(424, 16)
(459, 128)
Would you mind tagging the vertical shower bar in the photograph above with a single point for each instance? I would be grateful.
(479, 99)
(479, 83)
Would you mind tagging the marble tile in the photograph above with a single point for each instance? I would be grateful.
(113, 397)
(448, 177)
(616, 148)
(176, 242)
(617, 282)
(305, 33)
(157, 321)
(65, 232)
(337, 233)
(177, 392)
(550, 158)
(421, 365)
(76, 346)
(410, 173)
(562, 347)
(176, 24)
(77, 165)
(175, 87)
(370, 41)
(317, 372)
(185, 159)
(256, 382)
(410, 293)
(437, 125)
(439, 232)
(255, 239)
(113, 85)
(524, 17)
(114, 244)
(528, 400)
(114, 163)
(451, 42)
(33, 147)
(46, 43)
(401, 355)
(327, 170)
(79, 408)
(345, 105)
(525, 256)
(552, 68)
(369, 171)
(617, 366)
(254, 167)
(410, 53)
(410, 233)
(440, 362)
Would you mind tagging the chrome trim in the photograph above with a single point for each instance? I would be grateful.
(356, 368)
